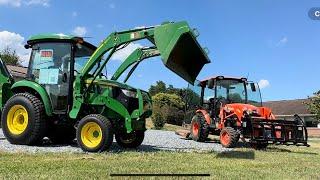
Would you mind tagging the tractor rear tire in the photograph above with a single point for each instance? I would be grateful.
(130, 140)
(94, 133)
(199, 128)
(23, 119)
(229, 137)
(61, 134)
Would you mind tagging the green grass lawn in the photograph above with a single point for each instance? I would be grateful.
(278, 162)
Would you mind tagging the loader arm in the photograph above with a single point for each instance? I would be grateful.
(176, 43)
(136, 57)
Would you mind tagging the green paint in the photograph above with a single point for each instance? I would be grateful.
(51, 36)
(39, 89)
(5, 83)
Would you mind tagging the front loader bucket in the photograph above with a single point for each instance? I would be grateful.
(179, 49)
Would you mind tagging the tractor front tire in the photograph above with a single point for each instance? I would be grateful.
(229, 137)
(199, 128)
(130, 140)
(23, 119)
(94, 133)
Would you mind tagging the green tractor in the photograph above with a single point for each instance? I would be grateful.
(65, 95)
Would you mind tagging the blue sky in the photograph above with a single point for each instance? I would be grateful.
(273, 41)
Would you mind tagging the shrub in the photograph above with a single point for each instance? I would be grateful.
(158, 120)
(169, 107)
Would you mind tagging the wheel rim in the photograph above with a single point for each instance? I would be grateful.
(17, 119)
(91, 134)
(195, 128)
(224, 138)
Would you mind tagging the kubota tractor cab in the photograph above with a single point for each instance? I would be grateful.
(65, 95)
(232, 108)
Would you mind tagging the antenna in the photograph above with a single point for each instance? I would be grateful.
(248, 75)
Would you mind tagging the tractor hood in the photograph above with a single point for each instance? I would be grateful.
(179, 50)
(110, 83)
(240, 109)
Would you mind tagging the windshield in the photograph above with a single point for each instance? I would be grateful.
(253, 92)
(82, 55)
(232, 91)
(49, 57)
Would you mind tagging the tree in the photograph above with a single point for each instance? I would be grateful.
(314, 104)
(168, 108)
(173, 90)
(165, 99)
(160, 87)
(10, 57)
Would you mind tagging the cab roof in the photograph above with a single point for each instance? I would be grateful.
(224, 77)
(57, 37)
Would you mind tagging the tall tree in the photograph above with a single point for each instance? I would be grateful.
(9, 56)
(314, 104)
(160, 87)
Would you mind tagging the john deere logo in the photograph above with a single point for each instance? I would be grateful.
(314, 13)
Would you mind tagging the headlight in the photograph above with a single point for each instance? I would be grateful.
(129, 93)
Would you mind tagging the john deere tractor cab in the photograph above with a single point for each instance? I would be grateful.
(232, 108)
(65, 94)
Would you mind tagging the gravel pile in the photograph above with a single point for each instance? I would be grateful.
(155, 140)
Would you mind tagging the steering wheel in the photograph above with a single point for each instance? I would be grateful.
(222, 100)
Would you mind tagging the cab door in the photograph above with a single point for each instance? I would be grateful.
(50, 67)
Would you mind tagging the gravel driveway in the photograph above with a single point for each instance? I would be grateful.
(155, 140)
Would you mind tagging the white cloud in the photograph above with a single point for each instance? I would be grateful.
(122, 54)
(263, 83)
(15, 42)
(18, 3)
(80, 31)
(45, 3)
(282, 41)
(14, 3)
(74, 14)
(112, 6)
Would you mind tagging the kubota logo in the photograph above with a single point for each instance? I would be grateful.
(314, 13)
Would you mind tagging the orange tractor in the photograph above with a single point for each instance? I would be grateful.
(232, 108)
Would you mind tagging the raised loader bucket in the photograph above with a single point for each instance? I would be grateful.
(179, 50)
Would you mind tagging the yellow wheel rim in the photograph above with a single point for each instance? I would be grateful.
(91, 134)
(17, 119)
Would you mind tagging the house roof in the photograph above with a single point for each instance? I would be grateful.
(288, 107)
(17, 71)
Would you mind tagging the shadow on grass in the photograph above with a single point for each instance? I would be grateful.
(237, 155)
(279, 149)
(115, 148)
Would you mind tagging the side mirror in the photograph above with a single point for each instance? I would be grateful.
(253, 87)
(210, 83)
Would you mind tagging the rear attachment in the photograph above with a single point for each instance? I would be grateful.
(279, 132)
